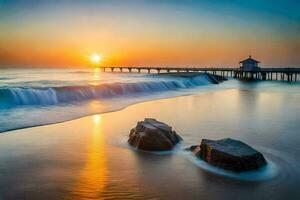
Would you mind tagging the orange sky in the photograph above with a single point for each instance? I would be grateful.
(144, 34)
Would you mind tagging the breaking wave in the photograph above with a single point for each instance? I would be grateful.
(19, 96)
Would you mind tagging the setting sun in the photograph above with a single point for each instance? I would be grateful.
(95, 58)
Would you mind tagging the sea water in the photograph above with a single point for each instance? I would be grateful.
(31, 97)
(90, 158)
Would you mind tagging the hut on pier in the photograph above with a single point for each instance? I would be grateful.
(249, 64)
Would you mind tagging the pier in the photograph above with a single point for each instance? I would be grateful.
(283, 74)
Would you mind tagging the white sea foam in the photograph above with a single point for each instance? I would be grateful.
(62, 97)
(19, 96)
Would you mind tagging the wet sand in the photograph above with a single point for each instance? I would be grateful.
(89, 158)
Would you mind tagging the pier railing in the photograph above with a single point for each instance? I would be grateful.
(284, 74)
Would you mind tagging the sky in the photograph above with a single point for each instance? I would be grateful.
(200, 33)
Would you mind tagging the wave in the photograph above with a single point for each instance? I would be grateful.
(19, 96)
(5, 78)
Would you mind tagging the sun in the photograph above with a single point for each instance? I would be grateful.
(95, 58)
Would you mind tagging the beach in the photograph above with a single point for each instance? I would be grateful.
(149, 100)
(89, 157)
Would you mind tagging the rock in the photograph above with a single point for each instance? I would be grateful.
(229, 154)
(152, 135)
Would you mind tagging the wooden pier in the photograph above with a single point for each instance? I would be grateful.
(283, 74)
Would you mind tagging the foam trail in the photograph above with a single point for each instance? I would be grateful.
(265, 173)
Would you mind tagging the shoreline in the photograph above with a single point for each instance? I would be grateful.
(201, 90)
(116, 110)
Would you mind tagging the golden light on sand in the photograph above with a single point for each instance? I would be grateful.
(93, 177)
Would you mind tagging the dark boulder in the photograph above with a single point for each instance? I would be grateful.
(152, 135)
(229, 154)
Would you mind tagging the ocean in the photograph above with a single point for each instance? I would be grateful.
(89, 157)
(31, 97)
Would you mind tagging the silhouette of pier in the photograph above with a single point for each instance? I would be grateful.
(283, 74)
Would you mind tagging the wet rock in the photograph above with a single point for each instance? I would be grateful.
(229, 154)
(152, 135)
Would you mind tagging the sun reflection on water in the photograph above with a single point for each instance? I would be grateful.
(92, 178)
(96, 74)
(96, 77)
(97, 119)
